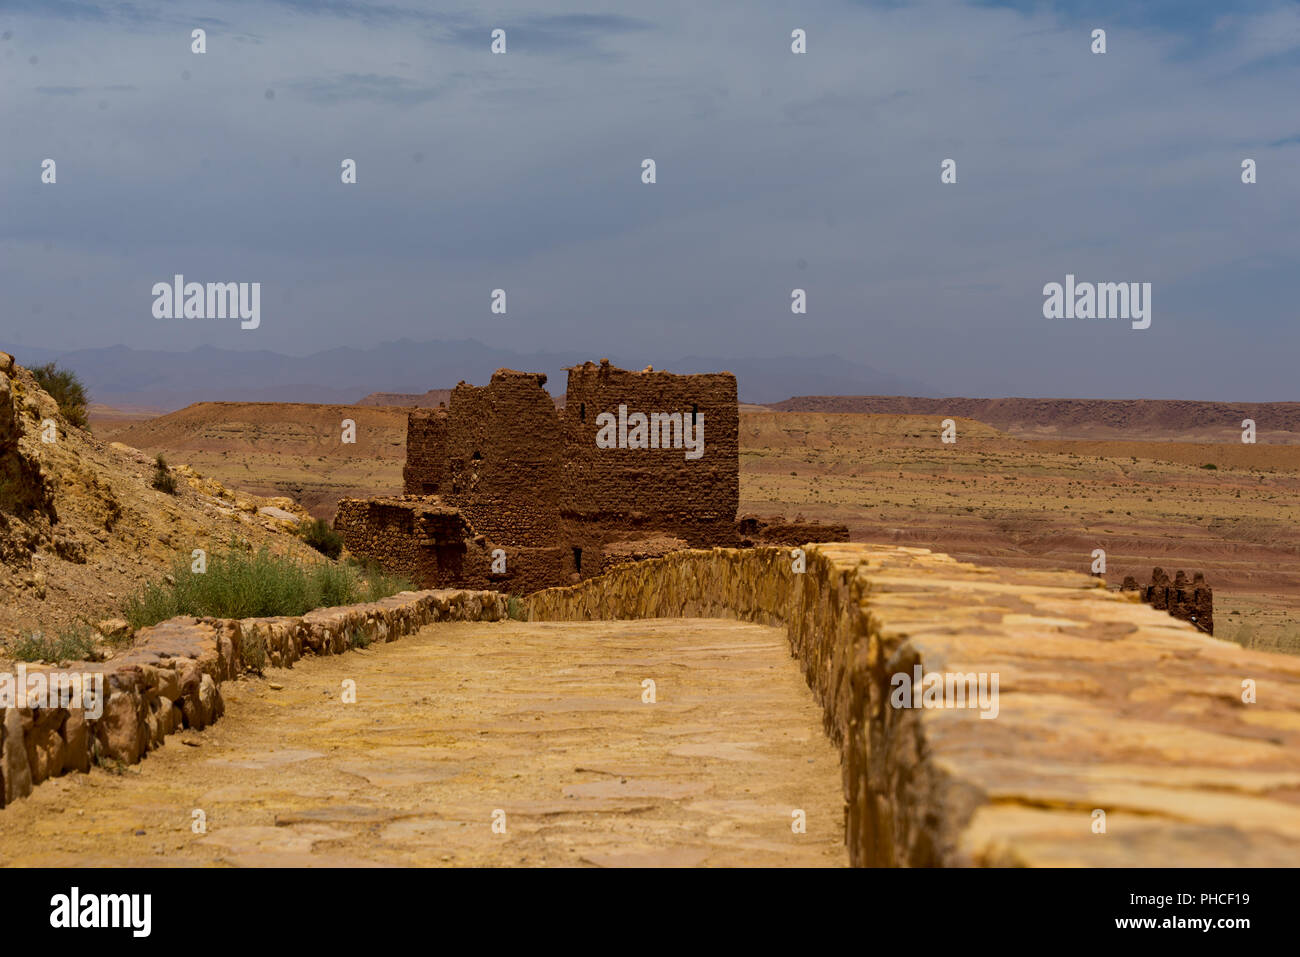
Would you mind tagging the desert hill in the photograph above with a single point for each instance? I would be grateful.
(1177, 420)
(82, 528)
(423, 400)
(280, 448)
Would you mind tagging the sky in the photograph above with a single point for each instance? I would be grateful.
(775, 171)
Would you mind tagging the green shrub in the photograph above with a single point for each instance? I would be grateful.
(67, 390)
(163, 480)
(1209, 465)
(319, 535)
(240, 583)
(515, 608)
(70, 644)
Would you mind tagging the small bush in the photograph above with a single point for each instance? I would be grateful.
(71, 644)
(515, 609)
(240, 583)
(319, 535)
(1209, 465)
(67, 390)
(163, 480)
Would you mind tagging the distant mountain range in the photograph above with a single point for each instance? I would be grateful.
(119, 375)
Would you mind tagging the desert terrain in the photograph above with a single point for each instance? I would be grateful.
(82, 526)
(1225, 508)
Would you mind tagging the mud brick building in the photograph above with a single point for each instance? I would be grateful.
(635, 465)
(1189, 601)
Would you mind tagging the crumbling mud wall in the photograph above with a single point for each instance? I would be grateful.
(1192, 601)
(433, 545)
(503, 452)
(636, 464)
(1107, 712)
(425, 469)
(171, 679)
(613, 493)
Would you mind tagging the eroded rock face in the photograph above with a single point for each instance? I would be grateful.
(24, 499)
(1104, 706)
(171, 679)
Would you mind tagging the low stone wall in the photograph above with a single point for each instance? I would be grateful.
(171, 679)
(1121, 736)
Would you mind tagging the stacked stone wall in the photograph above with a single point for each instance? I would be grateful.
(171, 679)
(1106, 709)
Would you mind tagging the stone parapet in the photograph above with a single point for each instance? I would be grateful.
(1120, 736)
(171, 679)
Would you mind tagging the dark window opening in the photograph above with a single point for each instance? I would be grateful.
(577, 560)
(582, 412)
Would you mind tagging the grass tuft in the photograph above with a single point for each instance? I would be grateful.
(163, 480)
(240, 583)
(71, 644)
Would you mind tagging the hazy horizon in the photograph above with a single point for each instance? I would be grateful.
(775, 171)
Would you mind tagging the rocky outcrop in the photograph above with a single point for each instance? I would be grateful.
(1118, 735)
(171, 679)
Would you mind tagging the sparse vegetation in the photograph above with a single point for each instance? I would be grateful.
(1209, 465)
(515, 609)
(377, 583)
(240, 583)
(71, 644)
(67, 390)
(163, 480)
(321, 536)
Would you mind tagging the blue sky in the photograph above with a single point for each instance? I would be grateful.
(775, 171)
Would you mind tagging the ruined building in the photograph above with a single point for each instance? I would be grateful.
(503, 490)
(1190, 601)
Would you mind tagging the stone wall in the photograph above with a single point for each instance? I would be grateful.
(433, 545)
(610, 493)
(425, 469)
(1105, 706)
(171, 679)
(503, 453)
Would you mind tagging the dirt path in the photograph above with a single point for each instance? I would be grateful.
(544, 722)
